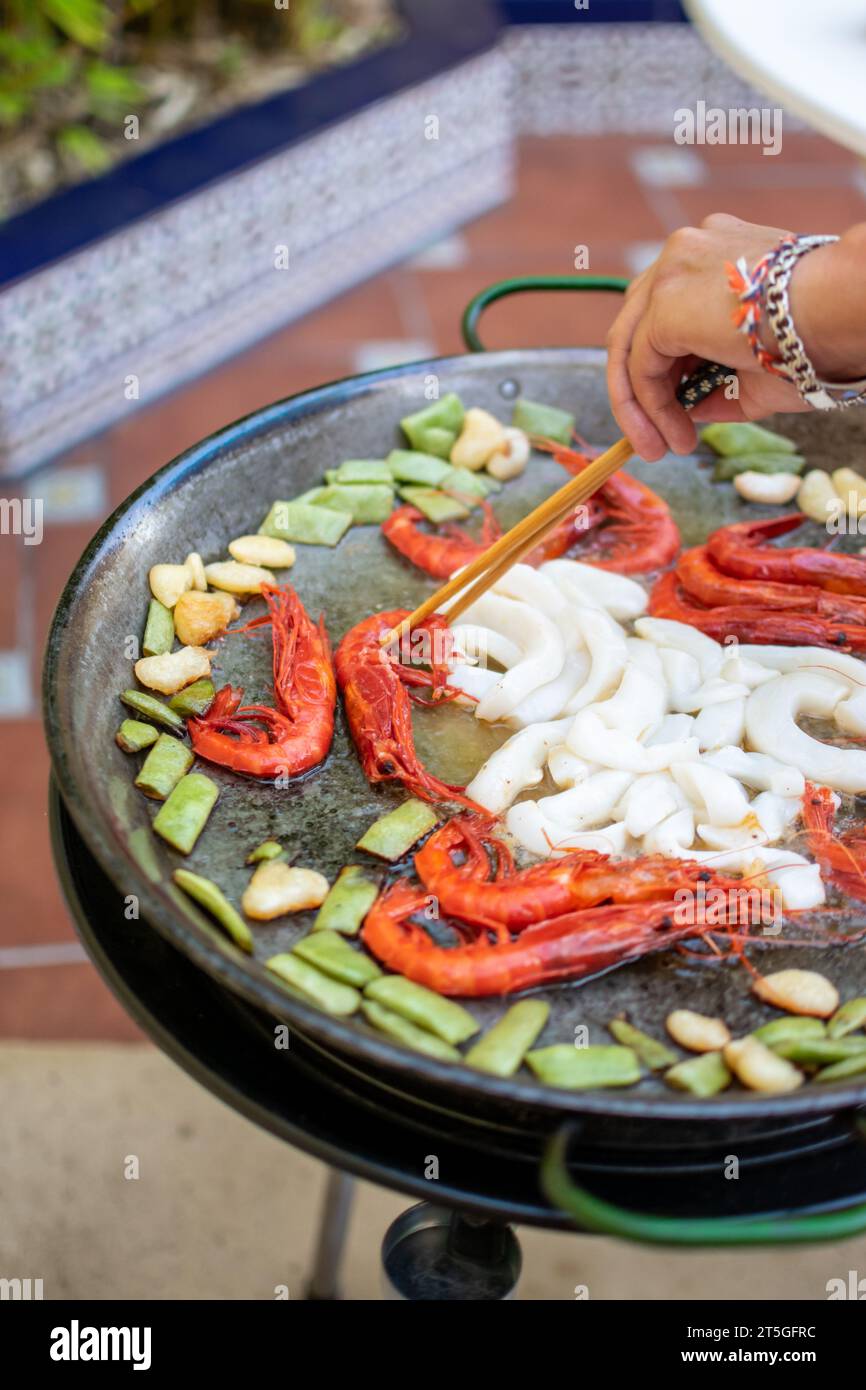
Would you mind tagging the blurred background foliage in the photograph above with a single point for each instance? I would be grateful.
(73, 71)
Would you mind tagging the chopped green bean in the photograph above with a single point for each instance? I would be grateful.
(151, 708)
(393, 835)
(314, 987)
(349, 900)
(502, 1048)
(401, 1030)
(546, 420)
(702, 1076)
(195, 699)
(331, 952)
(584, 1068)
(819, 1052)
(361, 471)
(268, 849)
(434, 429)
(409, 466)
(654, 1054)
(436, 506)
(212, 898)
(305, 524)
(469, 486)
(423, 1006)
(158, 630)
(163, 767)
(183, 815)
(839, 1071)
(735, 437)
(728, 467)
(368, 504)
(133, 736)
(790, 1029)
(847, 1019)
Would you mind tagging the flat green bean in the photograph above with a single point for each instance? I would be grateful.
(211, 897)
(402, 1030)
(134, 737)
(313, 986)
(394, 834)
(445, 1018)
(331, 952)
(585, 1068)
(847, 1018)
(150, 708)
(702, 1076)
(183, 815)
(349, 900)
(654, 1054)
(162, 769)
(158, 630)
(502, 1048)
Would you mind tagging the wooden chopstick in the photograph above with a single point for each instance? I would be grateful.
(510, 548)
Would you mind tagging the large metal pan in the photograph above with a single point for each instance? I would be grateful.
(222, 488)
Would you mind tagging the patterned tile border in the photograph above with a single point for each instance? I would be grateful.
(128, 318)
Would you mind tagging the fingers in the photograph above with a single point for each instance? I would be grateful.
(655, 377)
(631, 418)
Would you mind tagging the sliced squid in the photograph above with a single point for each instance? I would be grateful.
(771, 713)
(542, 654)
(646, 656)
(639, 702)
(745, 671)
(673, 836)
(588, 803)
(712, 692)
(484, 644)
(758, 771)
(622, 598)
(718, 798)
(566, 768)
(648, 801)
(776, 814)
(605, 641)
(474, 681)
(518, 764)
(720, 724)
(540, 835)
(549, 700)
(590, 738)
(538, 591)
(682, 674)
(673, 728)
(664, 632)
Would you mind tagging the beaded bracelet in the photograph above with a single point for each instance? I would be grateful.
(764, 290)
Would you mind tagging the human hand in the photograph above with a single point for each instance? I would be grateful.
(677, 313)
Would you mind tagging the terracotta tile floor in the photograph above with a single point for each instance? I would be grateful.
(570, 192)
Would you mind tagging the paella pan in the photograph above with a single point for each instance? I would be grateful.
(222, 488)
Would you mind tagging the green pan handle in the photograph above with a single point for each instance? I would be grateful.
(522, 284)
(604, 1218)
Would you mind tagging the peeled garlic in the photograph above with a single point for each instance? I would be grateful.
(481, 436)
(851, 487)
(799, 992)
(756, 1066)
(277, 888)
(512, 457)
(171, 672)
(697, 1032)
(198, 618)
(168, 582)
(767, 487)
(195, 565)
(818, 498)
(268, 551)
(237, 579)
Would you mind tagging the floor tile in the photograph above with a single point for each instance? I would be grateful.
(16, 690)
(668, 166)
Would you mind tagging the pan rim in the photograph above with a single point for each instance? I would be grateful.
(248, 977)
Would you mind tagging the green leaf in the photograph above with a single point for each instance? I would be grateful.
(112, 89)
(13, 105)
(86, 21)
(81, 144)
